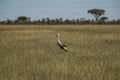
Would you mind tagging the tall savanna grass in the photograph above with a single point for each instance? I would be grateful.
(30, 52)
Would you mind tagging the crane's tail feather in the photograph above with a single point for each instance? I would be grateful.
(65, 49)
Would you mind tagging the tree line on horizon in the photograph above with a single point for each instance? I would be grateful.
(97, 13)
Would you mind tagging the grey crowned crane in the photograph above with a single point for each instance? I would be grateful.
(61, 45)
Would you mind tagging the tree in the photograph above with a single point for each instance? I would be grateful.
(43, 21)
(28, 19)
(48, 21)
(9, 21)
(61, 20)
(103, 19)
(96, 13)
(23, 19)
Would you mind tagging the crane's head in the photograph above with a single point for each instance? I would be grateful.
(58, 35)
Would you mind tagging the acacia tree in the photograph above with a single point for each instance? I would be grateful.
(103, 19)
(96, 13)
(23, 19)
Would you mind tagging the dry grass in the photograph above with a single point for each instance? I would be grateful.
(30, 52)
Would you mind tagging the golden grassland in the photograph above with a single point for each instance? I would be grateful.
(30, 52)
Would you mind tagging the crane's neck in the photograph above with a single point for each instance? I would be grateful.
(58, 39)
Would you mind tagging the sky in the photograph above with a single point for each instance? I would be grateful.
(72, 9)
